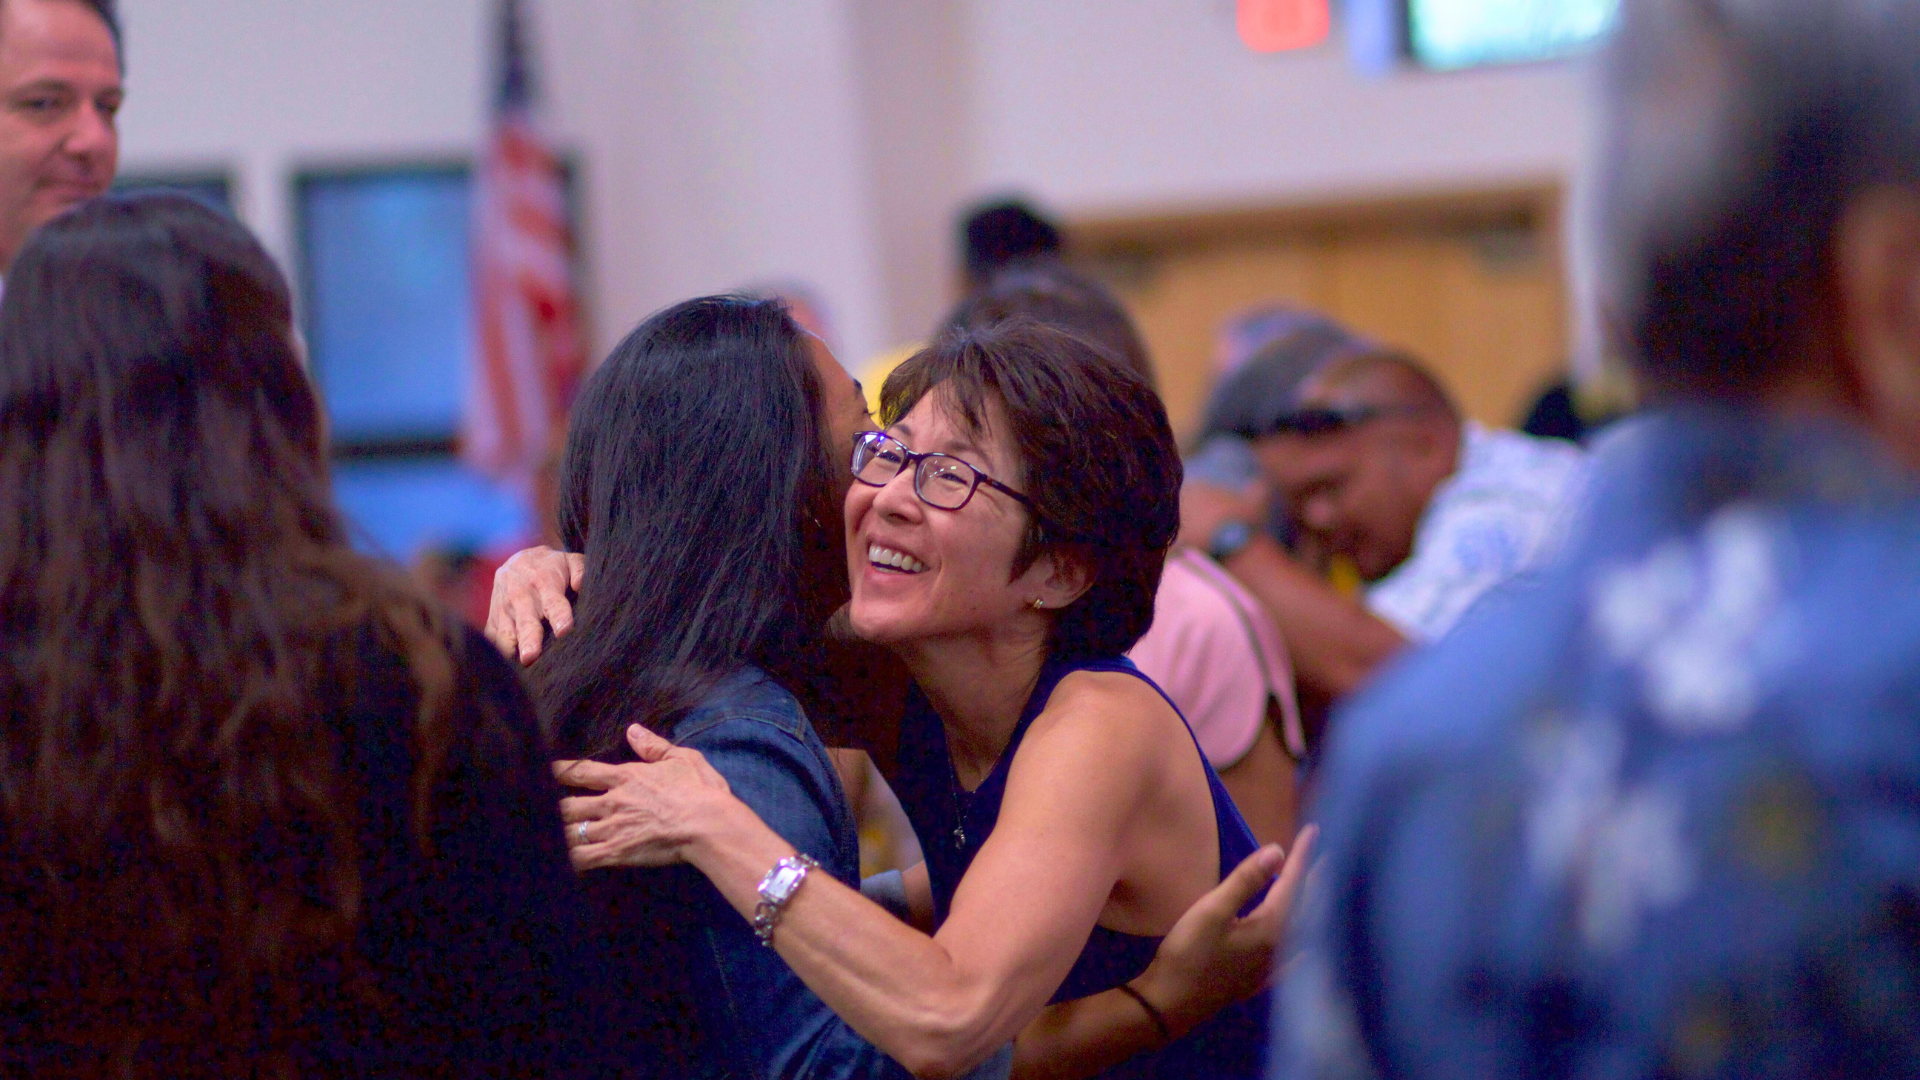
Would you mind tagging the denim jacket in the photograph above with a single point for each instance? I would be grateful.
(725, 1005)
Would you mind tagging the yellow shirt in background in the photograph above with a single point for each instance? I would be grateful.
(874, 374)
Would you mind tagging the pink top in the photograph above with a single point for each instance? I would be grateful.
(1219, 656)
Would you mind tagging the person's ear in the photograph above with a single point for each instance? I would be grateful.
(1877, 270)
(1056, 579)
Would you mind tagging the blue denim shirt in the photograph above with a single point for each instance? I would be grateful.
(1653, 813)
(722, 1004)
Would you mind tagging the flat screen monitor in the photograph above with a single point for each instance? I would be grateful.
(1447, 35)
(389, 301)
(389, 326)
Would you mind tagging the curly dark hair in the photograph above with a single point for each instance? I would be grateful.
(1098, 456)
(178, 831)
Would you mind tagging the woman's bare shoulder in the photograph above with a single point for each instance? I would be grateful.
(1103, 745)
(1114, 707)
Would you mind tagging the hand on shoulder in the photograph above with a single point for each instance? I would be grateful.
(531, 588)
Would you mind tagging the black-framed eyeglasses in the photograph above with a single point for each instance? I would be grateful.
(941, 480)
(1320, 421)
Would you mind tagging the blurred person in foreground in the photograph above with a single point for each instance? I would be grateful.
(60, 92)
(1211, 647)
(1375, 465)
(262, 810)
(1655, 815)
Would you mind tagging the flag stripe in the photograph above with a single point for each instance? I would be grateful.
(531, 354)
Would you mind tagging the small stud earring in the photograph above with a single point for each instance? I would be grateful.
(1039, 605)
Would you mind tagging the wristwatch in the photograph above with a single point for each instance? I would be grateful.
(1230, 539)
(776, 892)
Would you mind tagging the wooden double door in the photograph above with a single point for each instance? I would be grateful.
(1473, 284)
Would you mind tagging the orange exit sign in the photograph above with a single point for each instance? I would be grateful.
(1279, 25)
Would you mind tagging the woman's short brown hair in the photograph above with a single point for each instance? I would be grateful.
(1098, 455)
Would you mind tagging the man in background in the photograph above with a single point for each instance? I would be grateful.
(1377, 469)
(1378, 466)
(60, 91)
(1656, 814)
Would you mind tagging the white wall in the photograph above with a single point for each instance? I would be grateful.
(1107, 106)
(912, 59)
(1110, 104)
(262, 86)
(724, 147)
(720, 141)
(728, 142)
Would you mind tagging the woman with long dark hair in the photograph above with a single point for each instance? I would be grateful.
(262, 812)
(697, 484)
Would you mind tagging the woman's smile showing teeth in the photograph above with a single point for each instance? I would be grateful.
(889, 559)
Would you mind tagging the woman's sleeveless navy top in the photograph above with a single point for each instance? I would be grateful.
(952, 824)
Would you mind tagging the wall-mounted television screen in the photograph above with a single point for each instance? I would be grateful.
(390, 329)
(1450, 34)
(389, 322)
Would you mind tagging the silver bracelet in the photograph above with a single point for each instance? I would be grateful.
(776, 892)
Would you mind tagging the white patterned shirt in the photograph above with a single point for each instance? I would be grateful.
(1494, 518)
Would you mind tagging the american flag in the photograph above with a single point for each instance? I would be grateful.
(531, 352)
